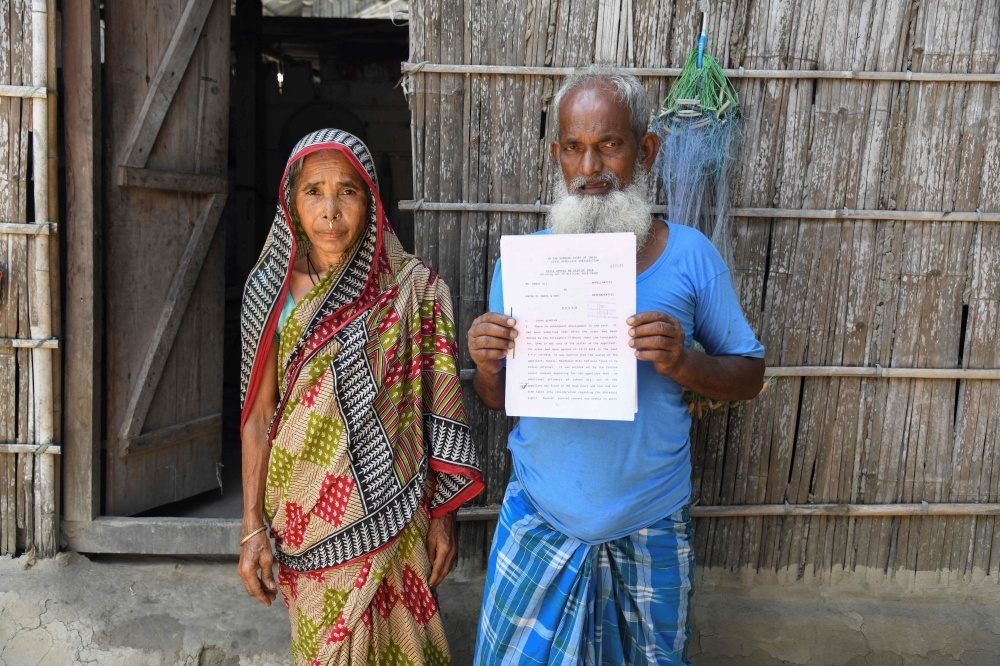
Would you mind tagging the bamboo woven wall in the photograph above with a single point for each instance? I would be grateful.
(28, 283)
(16, 469)
(817, 292)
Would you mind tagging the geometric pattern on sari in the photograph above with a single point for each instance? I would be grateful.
(377, 610)
(378, 379)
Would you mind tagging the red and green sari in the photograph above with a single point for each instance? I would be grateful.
(369, 440)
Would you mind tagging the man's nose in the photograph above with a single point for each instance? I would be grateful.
(592, 162)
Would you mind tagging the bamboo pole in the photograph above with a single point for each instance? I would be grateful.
(767, 213)
(26, 228)
(24, 92)
(772, 510)
(738, 73)
(870, 510)
(45, 538)
(16, 447)
(55, 270)
(880, 372)
(22, 343)
(854, 371)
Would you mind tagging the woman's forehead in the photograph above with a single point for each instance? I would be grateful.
(330, 163)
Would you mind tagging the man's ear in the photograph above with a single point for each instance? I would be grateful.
(649, 146)
(554, 151)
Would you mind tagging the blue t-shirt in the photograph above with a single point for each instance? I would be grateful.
(602, 480)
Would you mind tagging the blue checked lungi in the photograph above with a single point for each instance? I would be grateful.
(552, 599)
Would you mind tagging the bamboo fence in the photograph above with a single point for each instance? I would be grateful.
(866, 246)
(29, 254)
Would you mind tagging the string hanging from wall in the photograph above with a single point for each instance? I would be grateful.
(699, 133)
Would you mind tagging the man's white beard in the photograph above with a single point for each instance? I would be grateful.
(620, 210)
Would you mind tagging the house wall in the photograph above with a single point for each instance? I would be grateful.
(897, 293)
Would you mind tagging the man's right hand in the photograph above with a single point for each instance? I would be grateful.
(256, 556)
(490, 337)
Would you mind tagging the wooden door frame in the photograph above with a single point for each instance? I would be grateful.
(83, 316)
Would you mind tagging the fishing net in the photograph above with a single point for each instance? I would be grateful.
(699, 137)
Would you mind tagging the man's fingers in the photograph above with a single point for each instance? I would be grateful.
(647, 317)
(489, 342)
(495, 318)
(652, 355)
(656, 342)
(489, 355)
(640, 318)
(489, 329)
(656, 328)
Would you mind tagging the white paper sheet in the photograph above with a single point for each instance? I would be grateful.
(570, 296)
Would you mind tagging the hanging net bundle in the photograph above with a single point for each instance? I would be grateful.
(699, 138)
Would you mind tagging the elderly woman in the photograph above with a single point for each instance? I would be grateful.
(355, 447)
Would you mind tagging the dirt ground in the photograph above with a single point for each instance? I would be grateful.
(124, 611)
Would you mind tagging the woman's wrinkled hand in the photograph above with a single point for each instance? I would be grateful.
(490, 337)
(256, 556)
(442, 547)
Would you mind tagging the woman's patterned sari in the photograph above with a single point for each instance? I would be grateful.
(369, 440)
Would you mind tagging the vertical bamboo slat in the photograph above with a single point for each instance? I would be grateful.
(15, 69)
(45, 520)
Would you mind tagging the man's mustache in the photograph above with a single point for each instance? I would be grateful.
(606, 177)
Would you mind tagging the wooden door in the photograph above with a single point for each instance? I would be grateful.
(166, 110)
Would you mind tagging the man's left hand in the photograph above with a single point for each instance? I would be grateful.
(442, 548)
(659, 339)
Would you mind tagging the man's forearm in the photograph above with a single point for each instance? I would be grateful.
(721, 377)
(490, 388)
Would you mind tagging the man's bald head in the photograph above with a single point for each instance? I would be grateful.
(626, 90)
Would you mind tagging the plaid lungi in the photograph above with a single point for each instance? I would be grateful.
(552, 599)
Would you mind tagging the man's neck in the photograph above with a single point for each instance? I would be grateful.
(647, 255)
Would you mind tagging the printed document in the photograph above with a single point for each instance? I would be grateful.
(570, 296)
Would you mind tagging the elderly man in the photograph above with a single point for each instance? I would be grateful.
(592, 560)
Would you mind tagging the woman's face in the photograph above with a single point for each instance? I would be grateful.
(331, 201)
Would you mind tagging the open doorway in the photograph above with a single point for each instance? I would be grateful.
(290, 75)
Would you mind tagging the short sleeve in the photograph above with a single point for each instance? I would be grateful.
(719, 324)
(496, 290)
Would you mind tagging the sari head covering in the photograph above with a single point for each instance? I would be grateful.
(370, 425)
